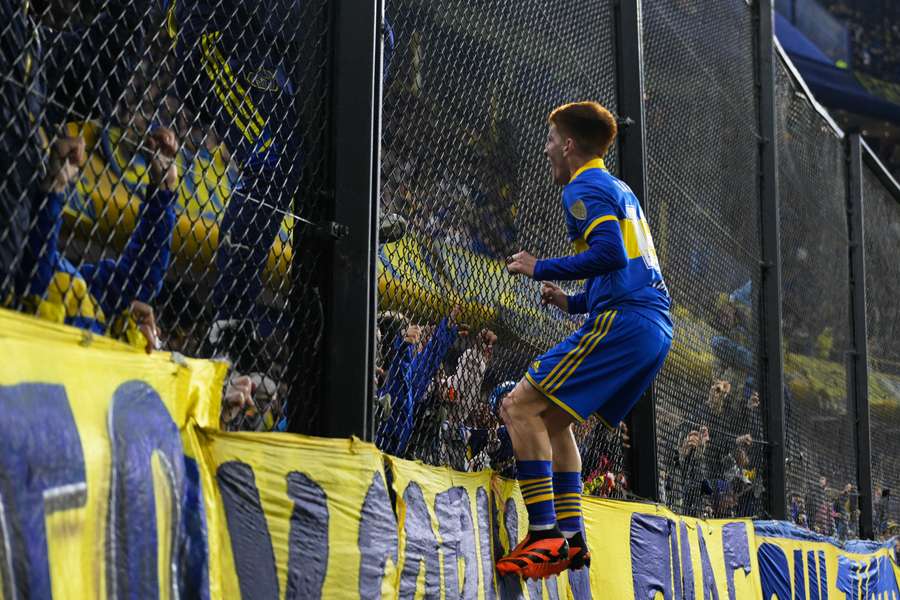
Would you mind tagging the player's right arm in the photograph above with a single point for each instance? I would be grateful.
(553, 295)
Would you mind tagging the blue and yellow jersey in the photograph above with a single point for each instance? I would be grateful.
(96, 296)
(593, 197)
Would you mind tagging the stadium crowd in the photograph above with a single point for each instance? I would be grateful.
(875, 33)
(151, 87)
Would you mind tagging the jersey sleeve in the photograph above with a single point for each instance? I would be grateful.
(586, 209)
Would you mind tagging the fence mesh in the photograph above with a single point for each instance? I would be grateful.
(465, 110)
(702, 139)
(881, 214)
(166, 163)
(156, 158)
(820, 452)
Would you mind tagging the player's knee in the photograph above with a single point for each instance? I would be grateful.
(508, 408)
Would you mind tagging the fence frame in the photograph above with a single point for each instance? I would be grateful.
(871, 160)
(633, 171)
(859, 372)
(771, 352)
(350, 290)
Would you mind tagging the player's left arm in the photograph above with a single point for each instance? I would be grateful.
(605, 253)
(592, 217)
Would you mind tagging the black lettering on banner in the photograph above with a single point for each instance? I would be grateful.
(41, 472)
(483, 507)
(421, 547)
(377, 538)
(251, 543)
(308, 540)
(457, 542)
(140, 427)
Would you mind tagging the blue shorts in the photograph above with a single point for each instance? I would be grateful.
(604, 367)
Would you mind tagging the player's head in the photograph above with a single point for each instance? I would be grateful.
(578, 132)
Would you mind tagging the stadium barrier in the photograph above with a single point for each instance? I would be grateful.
(116, 482)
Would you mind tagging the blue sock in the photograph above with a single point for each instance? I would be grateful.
(567, 501)
(536, 482)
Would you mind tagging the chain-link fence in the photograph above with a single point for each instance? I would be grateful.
(168, 163)
(821, 458)
(159, 159)
(702, 136)
(882, 239)
(465, 112)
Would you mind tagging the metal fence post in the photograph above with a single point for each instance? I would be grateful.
(771, 360)
(633, 170)
(349, 294)
(859, 373)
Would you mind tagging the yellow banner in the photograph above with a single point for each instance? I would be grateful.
(658, 554)
(92, 471)
(797, 564)
(296, 517)
(452, 528)
(115, 482)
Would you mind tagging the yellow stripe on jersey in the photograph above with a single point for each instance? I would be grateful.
(631, 233)
(233, 96)
(593, 344)
(598, 221)
(551, 376)
(573, 355)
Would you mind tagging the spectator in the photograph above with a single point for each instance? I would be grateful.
(38, 73)
(734, 359)
(96, 296)
(842, 511)
(411, 370)
(457, 396)
(798, 510)
(252, 403)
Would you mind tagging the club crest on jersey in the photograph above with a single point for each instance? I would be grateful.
(263, 79)
(578, 210)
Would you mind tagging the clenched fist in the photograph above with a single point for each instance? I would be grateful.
(552, 295)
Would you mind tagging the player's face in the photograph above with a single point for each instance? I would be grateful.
(554, 150)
